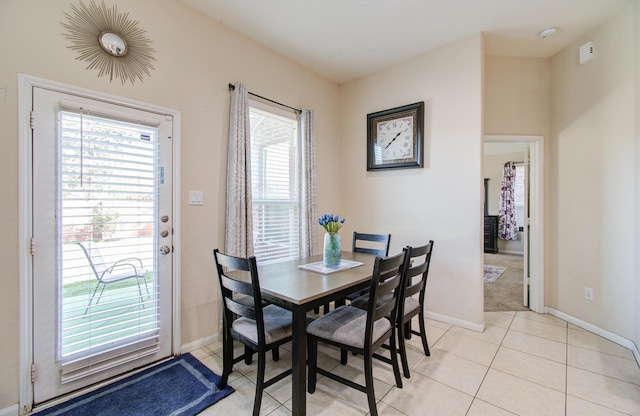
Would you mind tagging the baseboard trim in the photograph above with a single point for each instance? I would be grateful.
(10, 411)
(627, 343)
(194, 345)
(455, 321)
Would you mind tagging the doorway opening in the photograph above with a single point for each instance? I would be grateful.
(514, 265)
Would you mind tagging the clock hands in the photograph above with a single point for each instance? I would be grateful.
(392, 140)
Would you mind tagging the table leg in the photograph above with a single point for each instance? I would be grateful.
(299, 362)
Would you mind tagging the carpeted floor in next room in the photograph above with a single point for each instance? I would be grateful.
(505, 294)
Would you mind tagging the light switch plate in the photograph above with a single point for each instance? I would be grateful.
(195, 197)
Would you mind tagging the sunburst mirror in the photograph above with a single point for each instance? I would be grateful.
(110, 41)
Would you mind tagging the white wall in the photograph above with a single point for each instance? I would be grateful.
(443, 201)
(196, 59)
(594, 164)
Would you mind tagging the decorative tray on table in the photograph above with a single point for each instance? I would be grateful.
(319, 266)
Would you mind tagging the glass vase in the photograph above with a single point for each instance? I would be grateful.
(332, 250)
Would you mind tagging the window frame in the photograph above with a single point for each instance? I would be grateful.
(263, 256)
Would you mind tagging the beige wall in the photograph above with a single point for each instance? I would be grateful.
(594, 163)
(492, 168)
(443, 201)
(516, 96)
(196, 59)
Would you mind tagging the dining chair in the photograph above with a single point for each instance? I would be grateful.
(419, 259)
(111, 272)
(374, 244)
(248, 320)
(362, 332)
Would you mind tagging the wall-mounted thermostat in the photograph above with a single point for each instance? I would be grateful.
(586, 52)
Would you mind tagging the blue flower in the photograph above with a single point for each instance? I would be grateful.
(331, 223)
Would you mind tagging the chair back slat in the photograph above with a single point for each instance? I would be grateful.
(418, 261)
(240, 309)
(388, 273)
(237, 286)
(382, 239)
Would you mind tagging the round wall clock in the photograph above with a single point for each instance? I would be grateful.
(395, 137)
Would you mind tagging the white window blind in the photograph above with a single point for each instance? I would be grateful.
(274, 179)
(107, 203)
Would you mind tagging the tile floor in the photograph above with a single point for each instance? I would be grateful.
(523, 364)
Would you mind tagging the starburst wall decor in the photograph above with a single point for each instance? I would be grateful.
(110, 41)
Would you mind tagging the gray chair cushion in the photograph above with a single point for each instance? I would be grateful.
(410, 305)
(346, 325)
(277, 325)
(361, 303)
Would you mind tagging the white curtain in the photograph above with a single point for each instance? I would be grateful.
(308, 202)
(239, 220)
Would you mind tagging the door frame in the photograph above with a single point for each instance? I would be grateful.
(536, 214)
(26, 83)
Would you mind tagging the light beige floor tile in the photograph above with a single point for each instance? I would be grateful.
(541, 317)
(541, 347)
(453, 371)
(355, 398)
(532, 368)
(605, 391)
(579, 407)
(510, 313)
(604, 364)
(520, 396)
(481, 352)
(424, 396)
(240, 402)
(383, 375)
(322, 404)
(498, 319)
(493, 334)
(433, 322)
(414, 353)
(576, 327)
(591, 341)
(434, 333)
(482, 408)
(539, 329)
(386, 410)
(281, 391)
(281, 411)
(215, 346)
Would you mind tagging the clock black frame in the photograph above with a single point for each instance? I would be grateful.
(416, 161)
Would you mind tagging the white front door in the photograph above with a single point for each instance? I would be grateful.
(102, 247)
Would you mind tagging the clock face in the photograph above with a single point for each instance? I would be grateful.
(394, 138)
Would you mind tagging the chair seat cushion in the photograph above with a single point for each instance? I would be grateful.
(410, 305)
(346, 325)
(277, 325)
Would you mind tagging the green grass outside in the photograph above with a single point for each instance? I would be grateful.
(88, 286)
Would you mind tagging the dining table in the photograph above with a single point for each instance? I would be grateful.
(300, 290)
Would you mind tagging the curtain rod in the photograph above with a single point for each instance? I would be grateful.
(233, 87)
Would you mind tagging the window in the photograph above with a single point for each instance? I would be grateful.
(519, 197)
(275, 161)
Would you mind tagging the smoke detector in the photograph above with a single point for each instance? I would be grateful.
(547, 32)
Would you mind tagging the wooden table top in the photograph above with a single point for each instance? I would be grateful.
(285, 280)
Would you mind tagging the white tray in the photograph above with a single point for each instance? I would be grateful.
(319, 266)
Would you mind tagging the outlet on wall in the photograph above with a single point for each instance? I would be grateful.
(588, 293)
